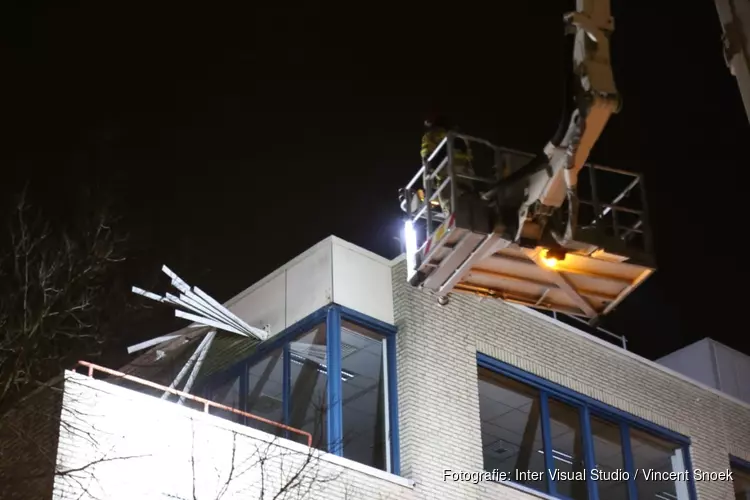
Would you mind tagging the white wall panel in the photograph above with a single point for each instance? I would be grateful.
(331, 271)
(266, 305)
(734, 371)
(694, 361)
(309, 284)
(713, 364)
(362, 281)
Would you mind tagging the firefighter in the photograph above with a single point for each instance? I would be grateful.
(435, 132)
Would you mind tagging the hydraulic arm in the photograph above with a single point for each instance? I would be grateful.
(734, 16)
(551, 177)
(519, 239)
(523, 238)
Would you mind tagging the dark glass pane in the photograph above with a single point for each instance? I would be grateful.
(511, 429)
(227, 394)
(567, 450)
(364, 396)
(609, 460)
(741, 479)
(265, 392)
(654, 458)
(309, 382)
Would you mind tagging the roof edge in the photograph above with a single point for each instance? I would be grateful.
(321, 244)
(619, 350)
(363, 251)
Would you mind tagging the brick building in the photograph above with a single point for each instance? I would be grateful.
(472, 400)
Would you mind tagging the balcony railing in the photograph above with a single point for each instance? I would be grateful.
(184, 395)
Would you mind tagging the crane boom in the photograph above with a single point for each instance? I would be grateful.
(597, 99)
(522, 238)
(506, 241)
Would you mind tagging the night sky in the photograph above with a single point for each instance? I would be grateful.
(234, 136)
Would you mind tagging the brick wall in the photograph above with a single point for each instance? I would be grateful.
(130, 445)
(438, 398)
(28, 445)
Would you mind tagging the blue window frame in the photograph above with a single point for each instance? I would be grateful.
(332, 374)
(547, 438)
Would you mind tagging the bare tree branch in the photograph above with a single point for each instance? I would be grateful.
(59, 297)
(95, 462)
(278, 469)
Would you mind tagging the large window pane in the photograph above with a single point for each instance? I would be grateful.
(567, 450)
(655, 458)
(511, 429)
(227, 394)
(741, 479)
(309, 382)
(609, 460)
(363, 405)
(265, 392)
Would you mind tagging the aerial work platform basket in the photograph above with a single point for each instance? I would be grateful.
(474, 250)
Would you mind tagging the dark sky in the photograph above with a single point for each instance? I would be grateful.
(233, 136)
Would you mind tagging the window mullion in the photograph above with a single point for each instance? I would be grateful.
(286, 386)
(333, 367)
(549, 465)
(244, 383)
(386, 406)
(627, 457)
(589, 459)
(393, 405)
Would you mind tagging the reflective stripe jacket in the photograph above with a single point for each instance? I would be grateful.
(431, 139)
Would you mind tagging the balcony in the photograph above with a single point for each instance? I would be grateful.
(117, 443)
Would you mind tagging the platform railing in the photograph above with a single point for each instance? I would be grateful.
(427, 178)
(559, 316)
(606, 213)
(205, 402)
(615, 208)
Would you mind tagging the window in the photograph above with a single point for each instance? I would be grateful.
(608, 455)
(265, 392)
(290, 380)
(659, 457)
(741, 479)
(511, 428)
(567, 449)
(552, 440)
(228, 394)
(363, 396)
(308, 396)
